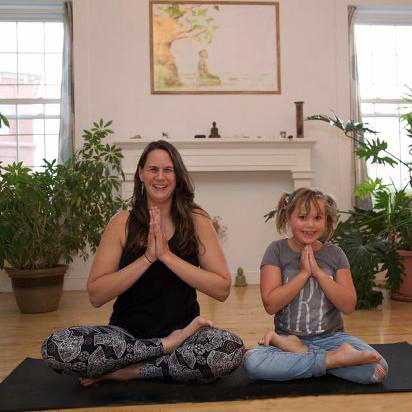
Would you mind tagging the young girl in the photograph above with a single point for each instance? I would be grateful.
(306, 283)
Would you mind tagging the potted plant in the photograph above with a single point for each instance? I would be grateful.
(48, 216)
(379, 239)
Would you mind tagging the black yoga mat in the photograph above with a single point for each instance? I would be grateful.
(33, 386)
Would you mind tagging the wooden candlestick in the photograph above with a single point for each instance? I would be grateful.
(299, 119)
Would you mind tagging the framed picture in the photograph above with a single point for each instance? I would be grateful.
(214, 47)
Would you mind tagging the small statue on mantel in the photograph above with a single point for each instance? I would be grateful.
(240, 280)
(214, 131)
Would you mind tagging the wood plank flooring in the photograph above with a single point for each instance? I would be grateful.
(21, 337)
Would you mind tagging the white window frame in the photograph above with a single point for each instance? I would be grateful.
(381, 16)
(31, 11)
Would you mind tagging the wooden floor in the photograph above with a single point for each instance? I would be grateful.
(21, 336)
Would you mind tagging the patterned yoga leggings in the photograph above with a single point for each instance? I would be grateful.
(90, 351)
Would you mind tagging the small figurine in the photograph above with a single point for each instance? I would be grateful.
(240, 279)
(214, 131)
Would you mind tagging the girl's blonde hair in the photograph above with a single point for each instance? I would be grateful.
(306, 197)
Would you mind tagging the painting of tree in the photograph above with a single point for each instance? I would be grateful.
(214, 47)
(173, 22)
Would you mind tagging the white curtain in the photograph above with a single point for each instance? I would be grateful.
(66, 134)
(360, 171)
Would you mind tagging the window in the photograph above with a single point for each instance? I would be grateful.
(383, 42)
(31, 50)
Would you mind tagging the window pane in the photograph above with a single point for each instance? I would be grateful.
(52, 126)
(30, 37)
(388, 128)
(52, 143)
(8, 31)
(38, 126)
(25, 126)
(8, 68)
(367, 108)
(385, 76)
(32, 91)
(31, 149)
(31, 68)
(52, 92)
(404, 69)
(8, 92)
(384, 39)
(385, 67)
(8, 149)
(9, 110)
(404, 41)
(54, 37)
(383, 108)
(53, 65)
(52, 109)
(405, 142)
(9, 130)
(30, 110)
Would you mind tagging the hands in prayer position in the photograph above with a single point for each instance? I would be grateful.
(308, 263)
(157, 242)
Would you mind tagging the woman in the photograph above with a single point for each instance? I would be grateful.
(152, 259)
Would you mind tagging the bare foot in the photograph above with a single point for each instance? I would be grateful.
(347, 355)
(178, 336)
(290, 343)
(124, 374)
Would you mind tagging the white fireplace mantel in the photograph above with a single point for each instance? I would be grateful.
(233, 155)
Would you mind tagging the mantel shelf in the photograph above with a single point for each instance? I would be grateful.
(232, 155)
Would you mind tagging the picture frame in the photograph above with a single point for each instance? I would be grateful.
(214, 47)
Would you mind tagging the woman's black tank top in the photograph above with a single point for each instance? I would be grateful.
(158, 303)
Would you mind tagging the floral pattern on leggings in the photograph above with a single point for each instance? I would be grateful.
(95, 350)
(209, 354)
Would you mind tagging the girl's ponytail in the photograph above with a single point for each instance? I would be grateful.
(282, 212)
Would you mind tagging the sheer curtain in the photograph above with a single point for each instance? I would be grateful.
(66, 138)
(359, 165)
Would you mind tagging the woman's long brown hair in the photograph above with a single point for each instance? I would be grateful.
(183, 205)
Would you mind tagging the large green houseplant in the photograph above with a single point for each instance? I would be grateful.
(377, 239)
(49, 216)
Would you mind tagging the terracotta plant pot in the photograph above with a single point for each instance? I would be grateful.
(37, 290)
(405, 291)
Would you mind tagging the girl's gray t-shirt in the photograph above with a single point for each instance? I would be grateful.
(310, 313)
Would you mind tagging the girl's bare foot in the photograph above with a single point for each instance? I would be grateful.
(178, 336)
(347, 355)
(124, 374)
(290, 343)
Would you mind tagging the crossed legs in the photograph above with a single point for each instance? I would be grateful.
(283, 357)
(169, 343)
(196, 353)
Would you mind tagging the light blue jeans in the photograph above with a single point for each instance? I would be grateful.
(271, 363)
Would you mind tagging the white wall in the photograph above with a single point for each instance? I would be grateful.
(112, 80)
